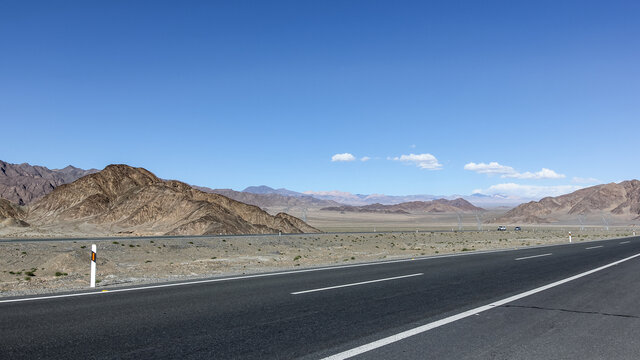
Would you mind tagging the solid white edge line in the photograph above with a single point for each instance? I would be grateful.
(531, 257)
(403, 335)
(355, 284)
(594, 247)
(107, 291)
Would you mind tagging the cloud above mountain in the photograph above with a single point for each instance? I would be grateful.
(494, 168)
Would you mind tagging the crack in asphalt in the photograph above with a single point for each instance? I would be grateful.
(572, 311)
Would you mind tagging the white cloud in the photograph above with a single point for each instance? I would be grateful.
(343, 157)
(542, 174)
(423, 161)
(580, 180)
(490, 168)
(494, 168)
(365, 158)
(528, 191)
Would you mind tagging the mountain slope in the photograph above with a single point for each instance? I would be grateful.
(23, 184)
(11, 215)
(616, 199)
(124, 198)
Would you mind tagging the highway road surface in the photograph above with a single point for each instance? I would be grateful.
(577, 300)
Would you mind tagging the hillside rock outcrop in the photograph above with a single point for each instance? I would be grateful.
(123, 197)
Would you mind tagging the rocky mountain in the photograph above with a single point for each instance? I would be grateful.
(434, 206)
(11, 215)
(22, 184)
(123, 198)
(615, 199)
(271, 200)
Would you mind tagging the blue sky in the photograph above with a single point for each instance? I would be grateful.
(239, 93)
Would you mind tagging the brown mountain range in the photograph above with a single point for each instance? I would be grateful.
(615, 199)
(433, 206)
(121, 198)
(22, 184)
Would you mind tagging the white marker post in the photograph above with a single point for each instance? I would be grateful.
(93, 266)
(569, 236)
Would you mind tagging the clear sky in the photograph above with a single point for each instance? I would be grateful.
(446, 97)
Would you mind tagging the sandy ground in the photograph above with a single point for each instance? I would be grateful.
(29, 267)
(336, 221)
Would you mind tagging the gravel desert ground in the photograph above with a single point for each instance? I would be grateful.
(31, 267)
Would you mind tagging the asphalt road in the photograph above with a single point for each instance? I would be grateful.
(595, 317)
(311, 314)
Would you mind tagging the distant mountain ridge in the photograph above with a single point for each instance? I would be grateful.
(271, 200)
(347, 198)
(433, 206)
(263, 189)
(360, 199)
(22, 184)
(615, 199)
